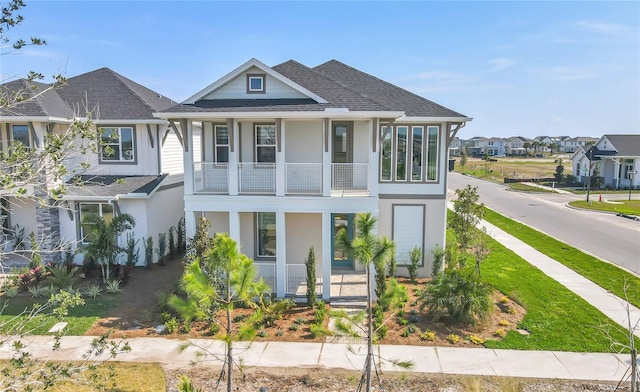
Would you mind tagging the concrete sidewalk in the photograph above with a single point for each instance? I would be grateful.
(436, 360)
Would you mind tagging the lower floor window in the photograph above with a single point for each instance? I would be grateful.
(87, 210)
(266, 233)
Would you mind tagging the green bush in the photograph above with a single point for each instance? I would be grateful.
(459, 295)
(415, 256)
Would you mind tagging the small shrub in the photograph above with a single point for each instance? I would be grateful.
(500, 333)
(185, 326)
(148, 252)
(239, 318)
(113, 286)
(262, 333)
(438, 260)
(315, 330)
(403, 321)
(12, 291)
(61, 276)
(415, 256)
(504, 323)
(171, 325)
(310, 264)
(412, 328)
(392, 267)
(35, 291)
(172, 242)
(320, 313)
(300, 320)
(429, 336)
(165, 316)
(214, 328)
(294, 327)
(405, 333)
(381, 332)
(509, 310)
(162, 246)
(453, 338)
(476, 339)
(504, 300)
(93, 291)
(280, 333)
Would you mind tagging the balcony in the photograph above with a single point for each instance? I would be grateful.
(347, 179)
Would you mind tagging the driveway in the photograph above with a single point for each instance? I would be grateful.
(606, 236)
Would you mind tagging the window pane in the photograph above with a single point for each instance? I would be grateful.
(222, 154)
(222, 135)
(110, 135)
(266, 234)
(266, 154)
(416, 160)
(386, 153)
(255, 83)
(21, 134)
(107, 212)
(401, 157)
(432, 154)
(110, 152)
(265, 134)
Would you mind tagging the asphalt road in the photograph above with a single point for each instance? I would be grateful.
(606, 236)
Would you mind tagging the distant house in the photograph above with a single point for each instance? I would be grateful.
(476, 145)
(615, 158)
(140, 174)
(571, 145)
(515, 146)
(455, 148)
(495, 147)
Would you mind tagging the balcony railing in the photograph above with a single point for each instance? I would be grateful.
(267, 271)
(349, 177)
(303, 178)
(257, 177)
(296, 278)
(211, 177)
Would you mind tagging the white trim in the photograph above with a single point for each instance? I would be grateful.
(128, 122)
(35, 119)
(411, 119)
(287, 114)
(244, 67)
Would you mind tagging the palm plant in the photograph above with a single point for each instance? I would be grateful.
(368, 249)
(103, 244)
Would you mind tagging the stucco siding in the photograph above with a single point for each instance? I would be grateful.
(303, 231)
(219, 222)
(304, 141)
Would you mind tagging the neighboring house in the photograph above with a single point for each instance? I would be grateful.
(476, 145)
(283, 157)
(515, 146)
(616, 158)
(132, 177)
(455, 148)
(572, 144)
(494, 147)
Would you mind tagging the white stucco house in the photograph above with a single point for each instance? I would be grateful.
(142, 175)
(615, 157)
(282, 157)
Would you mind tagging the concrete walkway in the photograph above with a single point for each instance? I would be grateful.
(437, 360)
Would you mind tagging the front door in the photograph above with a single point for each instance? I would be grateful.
(340, 257)
(342, 156)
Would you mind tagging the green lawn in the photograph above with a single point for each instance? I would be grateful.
(518, 186)
(557, 319)
(606, 275)
(80, 318)
(627, 207)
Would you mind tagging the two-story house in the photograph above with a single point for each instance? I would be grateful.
(140, 173)
(615, 157)
(283, 157)
(494, 147)
(571, 145)
(515, 146)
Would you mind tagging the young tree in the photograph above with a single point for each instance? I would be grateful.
(310, 264)
(558, 175)
(468, 212)
(224, 278)
(103, 244)
(463, 159)
(367, 250)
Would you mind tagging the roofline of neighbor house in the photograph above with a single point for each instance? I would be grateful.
(290, 114)
(35, 119)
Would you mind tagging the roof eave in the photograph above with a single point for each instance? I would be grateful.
(282, 114)
(36, 119)
(409, 119)
(131, 121)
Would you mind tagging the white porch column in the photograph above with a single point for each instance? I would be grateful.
(190, 223)
(281, 254)
(616, 173)
(326, 256)
(233, 160)
(280, 158)
(373, 158)
(188, 159)
(326, 157)
(234, 226)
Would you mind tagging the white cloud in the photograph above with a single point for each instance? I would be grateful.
(567, 74)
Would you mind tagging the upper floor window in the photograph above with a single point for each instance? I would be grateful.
(256, 83)
(266, 233)
(404, 152)
(20, 133)
(221, 140)
(104, 210)
(117, 144)
(266, 143)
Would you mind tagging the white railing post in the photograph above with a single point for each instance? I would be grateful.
(281, 253)
(233, 171)
(326, 256)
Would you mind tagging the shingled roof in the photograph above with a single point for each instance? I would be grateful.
(114, 97)
(340, 85)
(626, 145)
(35, 101)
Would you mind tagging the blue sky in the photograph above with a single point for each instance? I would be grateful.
(518, 68)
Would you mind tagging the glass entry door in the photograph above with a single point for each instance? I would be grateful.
(340, 257)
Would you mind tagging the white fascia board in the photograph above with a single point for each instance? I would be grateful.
(87, 198)
(408, 119)
(35, 119)
(236, 72)
(307, 114)
(128, 122)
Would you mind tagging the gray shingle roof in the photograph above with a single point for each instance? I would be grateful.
(114, 96)
(627, 145)
(341, 86)
(110, 186)
(37, 102)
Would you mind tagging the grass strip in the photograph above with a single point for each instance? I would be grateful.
(518, 186)
(627, 207)
(556, 319)
(606, 275)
